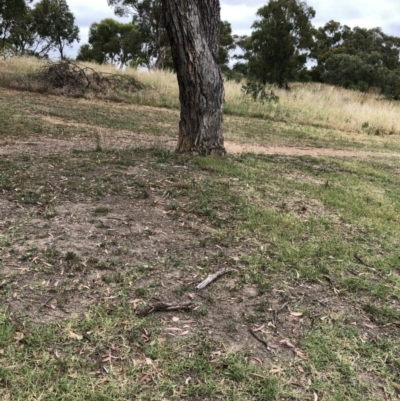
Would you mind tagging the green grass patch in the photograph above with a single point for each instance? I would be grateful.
(106, 357)
(311, 242)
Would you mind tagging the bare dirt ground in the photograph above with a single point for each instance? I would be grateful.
(120, 139)
(236, 148)
(59, 267)
(168, 250)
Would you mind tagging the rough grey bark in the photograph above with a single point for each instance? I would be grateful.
(193, 29)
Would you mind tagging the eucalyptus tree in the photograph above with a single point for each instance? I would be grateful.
(281, 41)
(55, 25)
(11, 12)
(112, 42)
(357, 58)
(148, 16)
(194, 32)
(190, 30)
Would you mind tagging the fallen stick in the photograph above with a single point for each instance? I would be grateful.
(164, 307)
(259, 339)
(5, 282)
(45, 304)
(211, 278)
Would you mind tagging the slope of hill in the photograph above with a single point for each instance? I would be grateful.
(102, 224)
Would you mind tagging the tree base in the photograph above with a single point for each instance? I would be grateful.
(203, 149)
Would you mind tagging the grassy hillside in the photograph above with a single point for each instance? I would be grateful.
(307, 104)
(99, 220)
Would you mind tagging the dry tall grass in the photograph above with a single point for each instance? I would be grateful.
(312, 104)
(20, 65)
(323, 105)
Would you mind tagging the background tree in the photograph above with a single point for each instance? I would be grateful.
(389, 82)
(357, 58)
(88, 53)
(362, 41)
(147, 15)
(23, 37)
(240, 68)
(279, 46)
(328, 40)
(194, 31)
(11, 12)
(349, 71)
(112, 42)
(226, 45)
(55, 25)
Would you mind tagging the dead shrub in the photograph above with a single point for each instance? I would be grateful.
(68, 78)
(73, 80)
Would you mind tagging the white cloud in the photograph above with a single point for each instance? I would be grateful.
(240, 16)
(365, 13)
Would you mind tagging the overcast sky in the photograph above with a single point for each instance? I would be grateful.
(241, 14)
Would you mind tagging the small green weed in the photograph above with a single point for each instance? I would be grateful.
(102, 210)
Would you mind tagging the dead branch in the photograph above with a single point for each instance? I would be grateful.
(164, 307)
(74, 79)
(45, 303)
(259, 339)
(212, 277)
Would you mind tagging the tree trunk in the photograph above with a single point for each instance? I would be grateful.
(193, 29)
(160, 59)
(61, 49)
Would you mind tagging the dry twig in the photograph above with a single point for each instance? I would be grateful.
(259, 339)
(45, 303)
(211, 278)
(164, 307)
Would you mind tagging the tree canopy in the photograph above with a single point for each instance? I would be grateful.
(226, 44)
(284, 47)
(55, 24)
(112, 42)
(147, 15)
(11, 12)
(281, 41)
(357, 58)
(46, 27)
